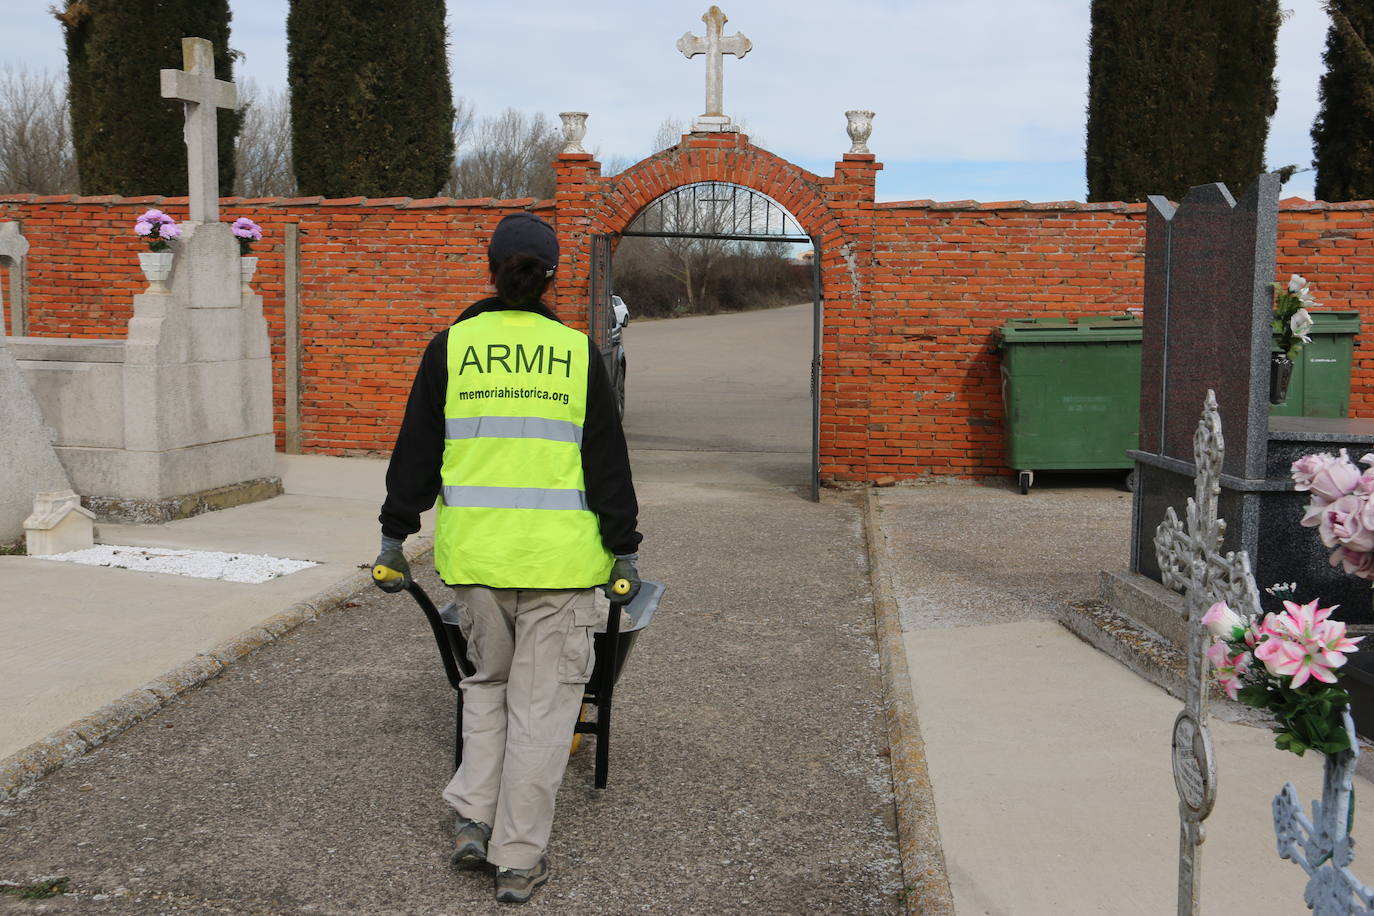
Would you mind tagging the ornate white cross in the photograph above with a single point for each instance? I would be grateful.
(1190, 561)
(715, 46)
(203, 95)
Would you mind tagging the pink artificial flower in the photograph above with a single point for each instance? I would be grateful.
(1341, 524)
(171, 230)
(143, 227)
(1230, 669)
(1222, 622)
(1365, 485)
(1356, 562)
(1302, 643)
(1326, 476)
(154, 216)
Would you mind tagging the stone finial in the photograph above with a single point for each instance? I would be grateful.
(59, 524)
(574, 129)
(860, 128)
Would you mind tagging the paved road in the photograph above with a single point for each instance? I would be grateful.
(748, 763)
(723, 397)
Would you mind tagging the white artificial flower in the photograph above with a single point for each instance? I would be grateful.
(1301, 323)
(1296, 284)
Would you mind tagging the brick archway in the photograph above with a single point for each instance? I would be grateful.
(837, 212)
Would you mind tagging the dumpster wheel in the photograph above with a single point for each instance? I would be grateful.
(1025, 479)
(577, 736)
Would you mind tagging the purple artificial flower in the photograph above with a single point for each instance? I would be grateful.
(245, 228)
(157, 227)
(247, 233)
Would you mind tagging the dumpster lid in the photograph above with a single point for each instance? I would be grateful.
(1087, 328)
(1335, 321)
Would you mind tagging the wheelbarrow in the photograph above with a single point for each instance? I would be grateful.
(612, 647)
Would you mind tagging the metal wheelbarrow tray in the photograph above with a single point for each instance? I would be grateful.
(611, 644)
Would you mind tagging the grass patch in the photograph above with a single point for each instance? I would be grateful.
(15, 549)
(38, 890)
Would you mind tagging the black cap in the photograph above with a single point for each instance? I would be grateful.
(523, 233)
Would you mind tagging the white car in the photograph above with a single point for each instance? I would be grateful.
(615, 356)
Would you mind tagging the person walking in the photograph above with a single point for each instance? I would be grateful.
(512, 424)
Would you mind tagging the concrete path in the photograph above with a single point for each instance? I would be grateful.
(77, 637)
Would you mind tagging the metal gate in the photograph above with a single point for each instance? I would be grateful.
(714, 210)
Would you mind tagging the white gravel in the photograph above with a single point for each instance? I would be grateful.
(198, 564)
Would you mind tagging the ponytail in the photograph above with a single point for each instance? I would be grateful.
(520, 279)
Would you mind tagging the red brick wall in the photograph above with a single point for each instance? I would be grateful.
(377, 281)
(946, 276)
(914, 291)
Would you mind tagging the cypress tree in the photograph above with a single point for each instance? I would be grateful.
(371, 106)
(1343, 133)
(128, 138)
(1180, 93)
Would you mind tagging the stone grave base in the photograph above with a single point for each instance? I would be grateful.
(168, 508)
(1140, 623)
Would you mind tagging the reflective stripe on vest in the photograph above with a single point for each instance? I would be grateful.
(514, 498)
(512, 428)
(514, 510)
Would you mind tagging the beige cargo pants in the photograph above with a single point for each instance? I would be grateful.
(532, 651)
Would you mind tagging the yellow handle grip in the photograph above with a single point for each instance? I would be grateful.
(385, 574)
(621, 586)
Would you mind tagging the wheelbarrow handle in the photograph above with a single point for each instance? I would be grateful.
(456, 665)
(382, 573)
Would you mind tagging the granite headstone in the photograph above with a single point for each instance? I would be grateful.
(1209, 263)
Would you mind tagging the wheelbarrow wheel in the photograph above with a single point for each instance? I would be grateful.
(577, 736)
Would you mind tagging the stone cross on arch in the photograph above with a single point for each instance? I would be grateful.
(204, 96)
(715, 46)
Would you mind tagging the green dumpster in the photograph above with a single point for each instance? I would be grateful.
(1320, 386)
(1070, 393)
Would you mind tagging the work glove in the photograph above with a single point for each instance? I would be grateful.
(392, 558)
(624, 568)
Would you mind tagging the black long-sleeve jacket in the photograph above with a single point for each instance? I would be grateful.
(413, 479)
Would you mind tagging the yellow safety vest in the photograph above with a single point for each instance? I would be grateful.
(513, 510)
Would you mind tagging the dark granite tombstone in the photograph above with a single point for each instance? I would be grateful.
(1208, 305)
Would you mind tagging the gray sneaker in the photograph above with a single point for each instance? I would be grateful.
(470, 848)
(516, 885)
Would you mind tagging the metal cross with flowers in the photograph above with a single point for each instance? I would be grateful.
(1190, 561)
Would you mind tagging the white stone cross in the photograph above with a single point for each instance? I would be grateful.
(204, 96)
(715, 46)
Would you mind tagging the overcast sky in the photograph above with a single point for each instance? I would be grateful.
(980, 99)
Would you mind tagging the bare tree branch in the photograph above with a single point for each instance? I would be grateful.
(36, 154)
(509, 155)
(263, 152)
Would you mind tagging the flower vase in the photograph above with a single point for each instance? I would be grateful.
(247, 267)
(1280, 374)
(157, 267)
